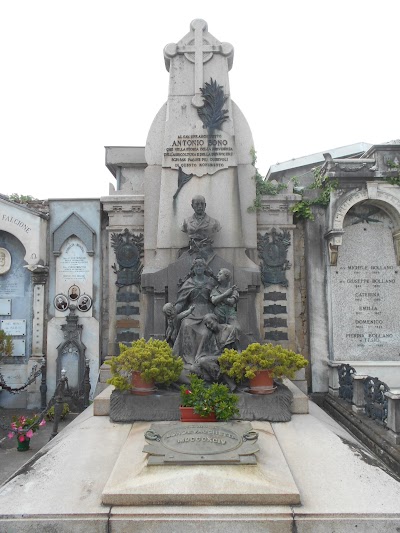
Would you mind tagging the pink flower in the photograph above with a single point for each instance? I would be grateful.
(11, 435)
(29, 434)
(14, 425)
(42, 423)
(21, 438)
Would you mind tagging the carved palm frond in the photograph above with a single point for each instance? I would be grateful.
(212, 113)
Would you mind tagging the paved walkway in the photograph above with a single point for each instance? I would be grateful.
(10, 458)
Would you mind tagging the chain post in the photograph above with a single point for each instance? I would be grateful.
(86, 385)
(43, 385)
(59, 402)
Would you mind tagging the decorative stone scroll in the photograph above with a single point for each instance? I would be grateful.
(201, 444)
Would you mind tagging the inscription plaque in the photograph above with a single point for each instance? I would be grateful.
(200, 153)
(5, 306)
(13, 327)
(365, 289)
(18, 348)
(201, 443)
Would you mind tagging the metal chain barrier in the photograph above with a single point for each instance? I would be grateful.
(57, 400)
(32, 377)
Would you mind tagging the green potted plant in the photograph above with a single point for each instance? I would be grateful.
(23, 428)
(6, 344)
(139, 367)
(261, 362)
(202, 402)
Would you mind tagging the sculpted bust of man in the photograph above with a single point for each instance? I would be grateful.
(200, 227)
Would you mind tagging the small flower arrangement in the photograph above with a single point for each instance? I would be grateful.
(205, 399)
(23, 427)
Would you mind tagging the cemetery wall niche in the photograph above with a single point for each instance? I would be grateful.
(15, 309)
(23, 276)
(74, 292)
(364, 283)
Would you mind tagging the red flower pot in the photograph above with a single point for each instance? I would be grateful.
(262, 383)
(140, 387)
(188, 415)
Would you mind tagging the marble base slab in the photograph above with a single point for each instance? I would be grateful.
(133, 482)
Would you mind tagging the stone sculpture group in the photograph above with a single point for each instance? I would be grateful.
(203, 320)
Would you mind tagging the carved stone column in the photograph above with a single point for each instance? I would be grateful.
(39, 279)
(121, 288)
(275, 230)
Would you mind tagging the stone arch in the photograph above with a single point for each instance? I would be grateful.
(74, 225)
(377, 194)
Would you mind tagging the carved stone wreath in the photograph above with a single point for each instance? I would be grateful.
(272, 250)
(128, 249)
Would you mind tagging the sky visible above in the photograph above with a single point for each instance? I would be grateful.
(309, 76)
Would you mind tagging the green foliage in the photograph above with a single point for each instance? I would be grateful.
(244, 365)
(153, 359)
(303, 208)
(393, 180)
(6, 344)
(21, 198)
(206, 398)
(50, 412)
(263, 186)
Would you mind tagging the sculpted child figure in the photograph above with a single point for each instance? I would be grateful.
(225, 298)
(174, 321)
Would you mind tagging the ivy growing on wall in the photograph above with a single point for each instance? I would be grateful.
(393, 180)
(263, 186)
(303, 209)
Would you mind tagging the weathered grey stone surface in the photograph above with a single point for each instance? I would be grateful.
(342, 488)
(365, 291)
(207, 443)
(219, 158)
(132, 482)
(127, 407)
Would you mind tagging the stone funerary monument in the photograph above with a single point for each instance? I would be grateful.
(79, 276)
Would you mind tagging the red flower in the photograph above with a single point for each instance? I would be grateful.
(187, 391)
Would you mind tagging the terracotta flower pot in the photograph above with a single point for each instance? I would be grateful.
(140, 387)
(262, 383)
(188, 415)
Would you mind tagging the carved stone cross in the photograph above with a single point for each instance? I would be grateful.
(198, 51)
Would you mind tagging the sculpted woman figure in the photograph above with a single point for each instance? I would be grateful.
(195, 291)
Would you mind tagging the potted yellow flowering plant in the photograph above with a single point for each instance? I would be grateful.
(261, 362)
(139, 367)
